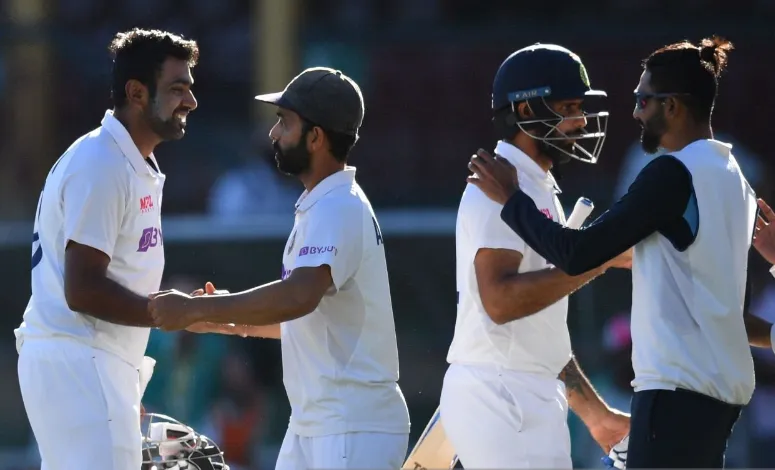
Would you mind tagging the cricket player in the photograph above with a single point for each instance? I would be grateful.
(690, 215)
(332, 308)
(512, 373)
(97, 253)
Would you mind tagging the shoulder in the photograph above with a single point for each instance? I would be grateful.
(345, 203)
(664, 169)
(96, 153)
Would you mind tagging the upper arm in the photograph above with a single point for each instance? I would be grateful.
(333, 238)
(659, 195)
(82, 264)
(492, 266)
(310, 285)
(93, 206)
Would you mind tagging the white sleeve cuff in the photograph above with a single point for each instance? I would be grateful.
(772, 270)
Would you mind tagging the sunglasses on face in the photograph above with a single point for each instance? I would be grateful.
(642, 99)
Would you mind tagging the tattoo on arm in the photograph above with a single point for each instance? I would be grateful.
(573, 378)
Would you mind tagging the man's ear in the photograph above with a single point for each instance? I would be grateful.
(524, 111)
(136, 93)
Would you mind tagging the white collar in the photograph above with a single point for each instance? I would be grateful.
(127, 145)
(341, 178)
(526, 165)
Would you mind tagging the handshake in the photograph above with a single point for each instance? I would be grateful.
(173, 310)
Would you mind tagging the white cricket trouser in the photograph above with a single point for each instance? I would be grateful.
(497, 418)
(83, 405)
(357, 450)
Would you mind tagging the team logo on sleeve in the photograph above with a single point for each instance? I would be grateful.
(150, 238)
(317, 250)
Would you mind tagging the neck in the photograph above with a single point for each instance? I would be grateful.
(144, 139)
(315, 176)
(530, 149)
(685, 136)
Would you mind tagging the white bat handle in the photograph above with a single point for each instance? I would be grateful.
(581, 211)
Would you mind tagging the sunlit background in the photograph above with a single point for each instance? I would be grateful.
(426, 68)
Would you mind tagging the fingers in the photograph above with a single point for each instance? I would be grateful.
(766, 210)
(209, 288)
(197, 293)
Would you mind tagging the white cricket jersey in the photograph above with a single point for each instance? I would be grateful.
(340, 362)
(539, 343)
(687, 307)
(103, 194)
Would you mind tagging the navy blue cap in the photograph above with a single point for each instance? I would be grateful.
(541, 71)
(327, 97)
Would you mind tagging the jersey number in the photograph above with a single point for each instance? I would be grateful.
(37, 254)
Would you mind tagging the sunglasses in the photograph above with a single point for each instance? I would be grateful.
(642, 99)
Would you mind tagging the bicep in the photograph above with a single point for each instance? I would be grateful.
(310, 284)
(492, 266)
(83, 264)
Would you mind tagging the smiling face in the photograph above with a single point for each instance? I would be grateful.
(172, 100)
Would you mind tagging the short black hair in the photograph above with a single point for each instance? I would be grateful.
(340, 144)
(692, 71)
(139, 55)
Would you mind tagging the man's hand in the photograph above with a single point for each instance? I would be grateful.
(623, 261)
(496, 177)
(611, 429)
(172, 310)
(764, 233)
(210, 327)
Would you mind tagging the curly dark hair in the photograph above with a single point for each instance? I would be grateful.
(139, 55)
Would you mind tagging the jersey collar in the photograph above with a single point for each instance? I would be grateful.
(128, 147)
(526, 165)
(308, 199)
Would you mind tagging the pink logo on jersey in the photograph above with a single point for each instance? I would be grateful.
(316, 250)
(547, 213)
(150, 238)
(146, 204)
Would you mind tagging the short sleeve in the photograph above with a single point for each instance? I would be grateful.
(486, 228)
(93, 208)
(332, 237)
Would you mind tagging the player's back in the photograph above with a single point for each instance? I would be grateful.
(539, 343)
(96, 170)
(688, 329)
(341, 361)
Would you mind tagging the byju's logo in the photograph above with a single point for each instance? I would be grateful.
(316, 250)
(150, 238)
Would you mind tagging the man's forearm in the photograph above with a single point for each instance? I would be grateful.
(107, 300)
(268, 304)
(524, 294)
(582, 397)
(759, 331)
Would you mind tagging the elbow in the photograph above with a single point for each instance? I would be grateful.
(76, 297)
(500, 313)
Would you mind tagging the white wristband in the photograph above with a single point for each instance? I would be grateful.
(772, 270)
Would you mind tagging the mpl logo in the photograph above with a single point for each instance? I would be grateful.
(146, 204)
(150, 238)
(547, 213)
(316, 250)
